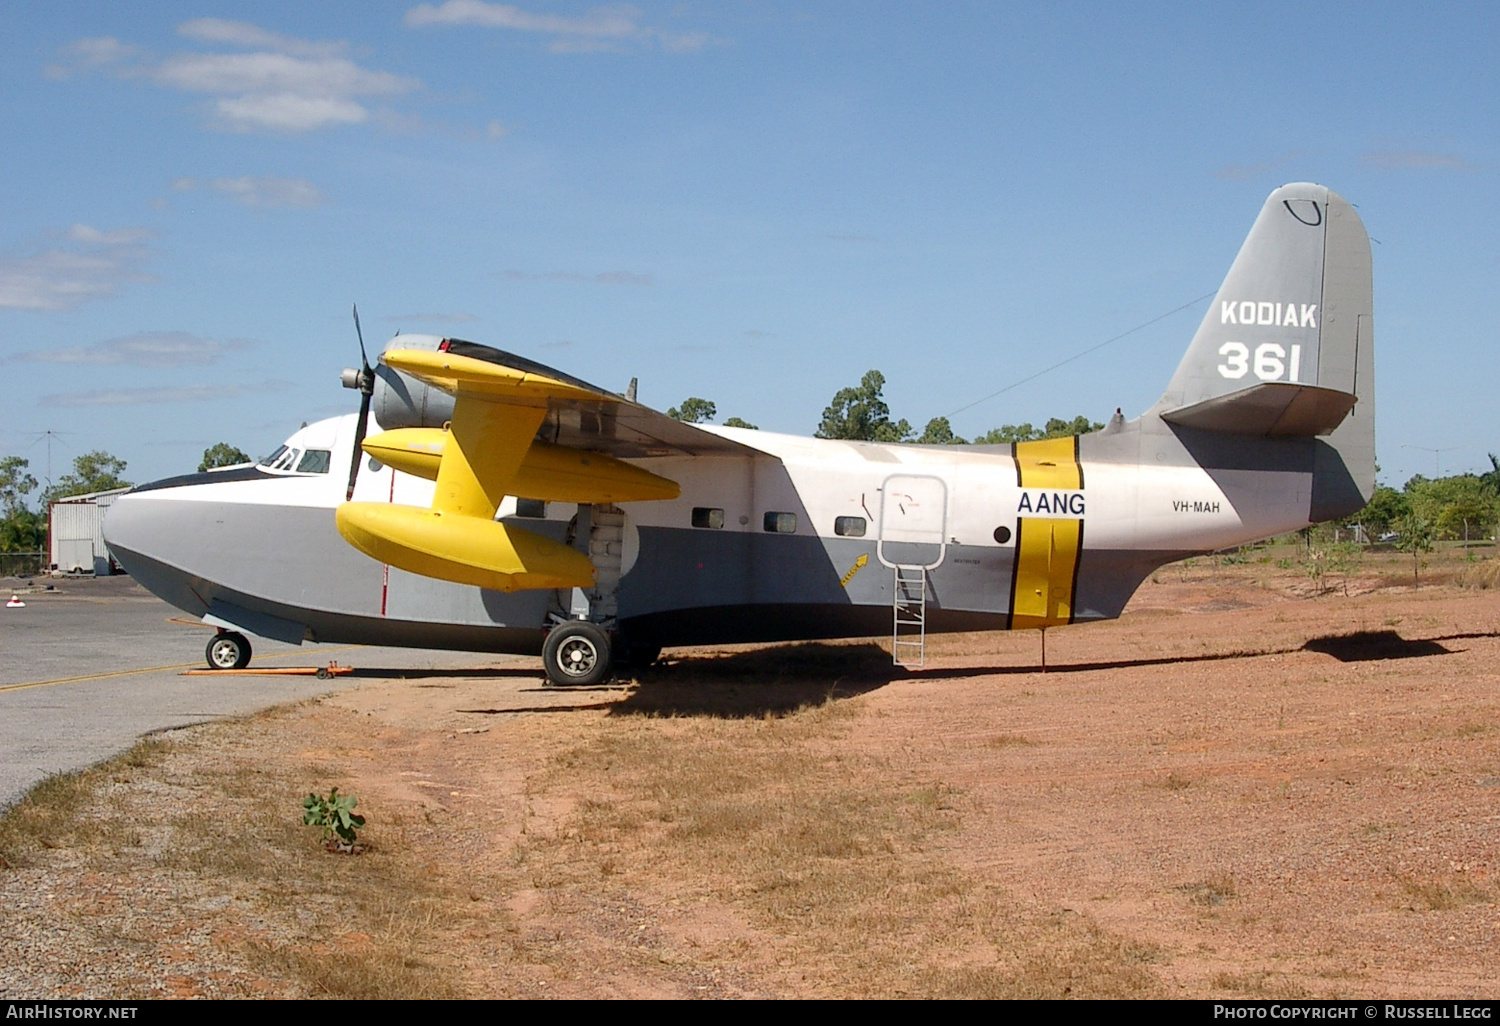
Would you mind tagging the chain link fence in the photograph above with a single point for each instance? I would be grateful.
(22, 564)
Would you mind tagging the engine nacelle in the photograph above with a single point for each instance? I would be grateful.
(400, 400)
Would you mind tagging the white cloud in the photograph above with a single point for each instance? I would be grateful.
(611, 27)
(284, 84)
(84, 263)
(155, 396)
(95, 52)
(143, 349)
(263, 191)
(244, 34)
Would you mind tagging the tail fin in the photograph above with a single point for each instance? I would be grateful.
(1287, 348)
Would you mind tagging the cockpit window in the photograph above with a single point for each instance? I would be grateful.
(314, 461)
(283, 458)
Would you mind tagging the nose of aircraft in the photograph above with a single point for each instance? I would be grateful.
(145, 531)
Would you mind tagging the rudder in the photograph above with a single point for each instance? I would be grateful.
(1287, 347)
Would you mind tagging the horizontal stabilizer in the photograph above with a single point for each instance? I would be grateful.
(464, 550)
(1272, 409)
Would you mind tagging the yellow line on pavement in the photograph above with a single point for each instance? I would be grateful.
(151, 669)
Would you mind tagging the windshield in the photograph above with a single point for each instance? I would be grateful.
(283, 458)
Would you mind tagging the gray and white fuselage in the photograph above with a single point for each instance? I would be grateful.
(256, 548)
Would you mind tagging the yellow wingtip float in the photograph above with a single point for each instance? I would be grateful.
(488, 450)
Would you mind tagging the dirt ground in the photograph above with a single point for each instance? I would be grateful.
(1238, 789)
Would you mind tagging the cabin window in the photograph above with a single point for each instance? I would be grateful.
(704, 516)
(849, 527)
(1002, 534)
(781, 523)
(314, 461)
(536, 509)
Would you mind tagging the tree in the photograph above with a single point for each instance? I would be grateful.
(1056, 428)
(15, 485)
(737, 422)
(694, 411)
(1491, 478)
(1008, 433)
(1385, 508)
(222, 454)
(1455, 506)
(939, 432)
(1416, 538)
(21, 529)
(95, 471)
(1079, 425)
(860, 414)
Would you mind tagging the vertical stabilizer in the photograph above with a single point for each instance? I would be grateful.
(1287, 347)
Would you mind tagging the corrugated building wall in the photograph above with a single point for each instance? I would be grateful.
(76, 533)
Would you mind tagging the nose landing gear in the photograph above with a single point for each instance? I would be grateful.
(228, 650)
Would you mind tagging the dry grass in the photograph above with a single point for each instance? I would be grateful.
(49, 815)
(332, 926)
(1260, 984)
(830, 853)
(1481, 575)
(1214, 891)
(1172, 782)
(1443, 894)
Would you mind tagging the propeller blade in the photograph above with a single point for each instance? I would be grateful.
(365, 382)
(364, 361)
(359, 437)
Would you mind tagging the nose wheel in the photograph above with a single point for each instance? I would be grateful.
(577, 653)
(228, 650)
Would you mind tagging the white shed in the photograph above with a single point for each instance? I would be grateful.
(75, 532)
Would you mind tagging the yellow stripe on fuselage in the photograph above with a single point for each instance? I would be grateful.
(1046, 549)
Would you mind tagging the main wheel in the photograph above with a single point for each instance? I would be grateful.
(228, 651)
(577, 653)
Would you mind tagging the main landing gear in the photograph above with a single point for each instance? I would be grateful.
(228, 650)
(577, 653)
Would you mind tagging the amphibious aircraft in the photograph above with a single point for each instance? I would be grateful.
(505, 506)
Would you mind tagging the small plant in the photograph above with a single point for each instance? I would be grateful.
(335, 814)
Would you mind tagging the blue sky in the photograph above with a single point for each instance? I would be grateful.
(753, 202)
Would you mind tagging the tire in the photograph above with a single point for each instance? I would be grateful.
(228, 651)
(576, 654)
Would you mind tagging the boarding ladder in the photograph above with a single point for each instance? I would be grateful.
(909, 616)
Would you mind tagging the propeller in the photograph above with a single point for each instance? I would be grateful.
(364, 380)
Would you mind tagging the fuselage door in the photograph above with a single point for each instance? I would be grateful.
(913, 521)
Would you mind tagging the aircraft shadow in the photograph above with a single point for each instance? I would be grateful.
(782, 679)
(771, 681)
(1361, 646)
(1364, 646)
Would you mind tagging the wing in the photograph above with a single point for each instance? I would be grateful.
(518, 428)
(579, 415)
